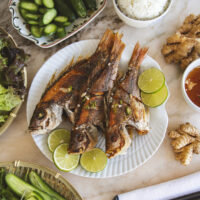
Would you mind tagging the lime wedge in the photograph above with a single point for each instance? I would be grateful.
(94, 160)
(155, 99)
(57, 137)
(64, 161)
(151, 80)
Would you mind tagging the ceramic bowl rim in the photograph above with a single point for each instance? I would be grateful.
(190, 67)
(140, 20)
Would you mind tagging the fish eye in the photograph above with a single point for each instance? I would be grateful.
(41, 115)
(114, 137)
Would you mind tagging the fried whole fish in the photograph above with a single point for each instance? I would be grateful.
(126, 111)
(65, 92)
(92, 114)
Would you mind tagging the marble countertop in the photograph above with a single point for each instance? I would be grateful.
(16, 144)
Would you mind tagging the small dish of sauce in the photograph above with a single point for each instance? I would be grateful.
(192, 86)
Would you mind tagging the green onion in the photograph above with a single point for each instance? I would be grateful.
(69, 89)
(128, 110)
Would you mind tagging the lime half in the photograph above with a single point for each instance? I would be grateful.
(151, 80)
(94, 160)
(155, 99)
(64, 161)
(57, 137)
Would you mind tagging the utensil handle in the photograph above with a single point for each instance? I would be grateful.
(116, 197)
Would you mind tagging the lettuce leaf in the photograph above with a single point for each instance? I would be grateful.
(3, 118)
(8, 100)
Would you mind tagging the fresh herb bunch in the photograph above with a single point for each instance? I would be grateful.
(12, 61)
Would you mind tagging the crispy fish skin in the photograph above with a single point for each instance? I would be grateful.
(66, 91)
(84, 134)
(126, 111)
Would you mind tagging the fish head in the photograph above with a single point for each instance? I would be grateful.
(45, 119)
(117, 140)
(84, 139)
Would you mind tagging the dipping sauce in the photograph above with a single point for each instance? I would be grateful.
(192, 85)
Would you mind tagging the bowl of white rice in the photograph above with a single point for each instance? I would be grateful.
(141, 13)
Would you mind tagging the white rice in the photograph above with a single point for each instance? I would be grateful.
(142, 9)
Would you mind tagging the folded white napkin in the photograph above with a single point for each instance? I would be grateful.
(171, 189)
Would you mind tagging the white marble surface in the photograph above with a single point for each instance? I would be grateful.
(15, 144)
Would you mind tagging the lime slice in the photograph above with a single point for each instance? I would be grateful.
(151, 80)
(64, 161)
(57, 137)
(94, 160)
(155, 99)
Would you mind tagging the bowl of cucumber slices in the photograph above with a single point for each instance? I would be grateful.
(49, 22)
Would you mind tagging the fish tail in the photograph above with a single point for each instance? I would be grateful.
(118, 47)
(106, 41)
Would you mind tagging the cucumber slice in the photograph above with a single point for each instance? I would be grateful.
(20, 187)
(36, 31)
(32, 7)
(48, 3)
(60, 32)
(66, 24)
(41, 185)
(32, 16)
(32, 22)
(60, 19)
(40, 22)
(50, 29)
(49, 16)
(38, 2)
(42, 10)
(23, 12)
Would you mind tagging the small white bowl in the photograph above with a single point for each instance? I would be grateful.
(136, 22)
(193, 65)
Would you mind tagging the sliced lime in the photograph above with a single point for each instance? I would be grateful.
(64, 161)
(155, 99)
(151, 80)
(57, 137)
(94, 160)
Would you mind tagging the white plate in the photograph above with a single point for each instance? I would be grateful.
(45, 42)
(142, 148)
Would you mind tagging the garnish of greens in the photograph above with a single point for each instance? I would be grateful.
(12, 89)
(31, 187)
(5, 192)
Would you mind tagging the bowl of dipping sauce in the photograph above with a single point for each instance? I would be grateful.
(191, 85)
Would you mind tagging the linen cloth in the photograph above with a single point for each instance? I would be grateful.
(167, 190)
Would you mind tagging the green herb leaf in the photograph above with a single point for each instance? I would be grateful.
(128, 110)
(69, 89)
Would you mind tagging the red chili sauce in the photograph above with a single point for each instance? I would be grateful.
(192, 85)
